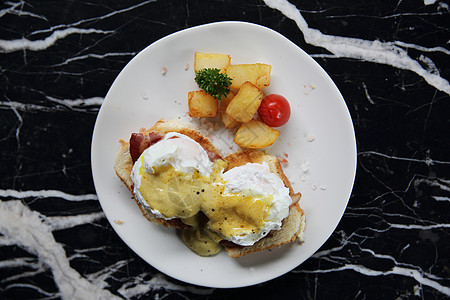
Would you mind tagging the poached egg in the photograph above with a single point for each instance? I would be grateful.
(168, 175)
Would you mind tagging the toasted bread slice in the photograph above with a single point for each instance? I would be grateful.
(124, 163)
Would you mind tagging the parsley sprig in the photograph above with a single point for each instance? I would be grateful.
(213, 82)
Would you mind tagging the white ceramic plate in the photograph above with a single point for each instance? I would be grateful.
(319, 141)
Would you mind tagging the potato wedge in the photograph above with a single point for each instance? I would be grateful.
(255, 135)
(258, 74)
(202, 105)
(211, 60)
(246, 102)
(226, 119)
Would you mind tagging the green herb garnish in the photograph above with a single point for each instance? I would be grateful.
(213, 82)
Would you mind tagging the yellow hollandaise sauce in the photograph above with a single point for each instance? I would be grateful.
(173, 193)
(200, 242)
(191, 197)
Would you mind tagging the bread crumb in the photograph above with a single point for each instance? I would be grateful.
(313, 187)
(163, 70)
(283, 161)
(144, 95)
(119, 222)
(206, 126)
(308, 89)
(310, 138)
(305, 167)
(186, 67)
(286, 155)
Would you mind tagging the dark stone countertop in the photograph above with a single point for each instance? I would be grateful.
(57, 62)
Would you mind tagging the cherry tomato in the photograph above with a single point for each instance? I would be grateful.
(274, 110)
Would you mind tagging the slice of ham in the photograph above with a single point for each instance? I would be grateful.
(139, 142)
(212, 155)
(229, 244)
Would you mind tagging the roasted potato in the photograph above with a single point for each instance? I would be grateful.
(202, 105)
(246, 102)
(226, 119)
(255, 135)
(258, 74)
(211, 60)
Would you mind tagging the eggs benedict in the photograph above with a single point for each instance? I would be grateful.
(242, 202)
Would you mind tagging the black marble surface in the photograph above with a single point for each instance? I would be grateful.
(390, 60)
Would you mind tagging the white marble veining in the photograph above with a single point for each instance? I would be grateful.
(37, 45)
(17, 9)
(97, 56)
(142, 285)
(32, 231)
(46, 194)
(373, 51)
(428, 161)
(89, 104)
(25, 228)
